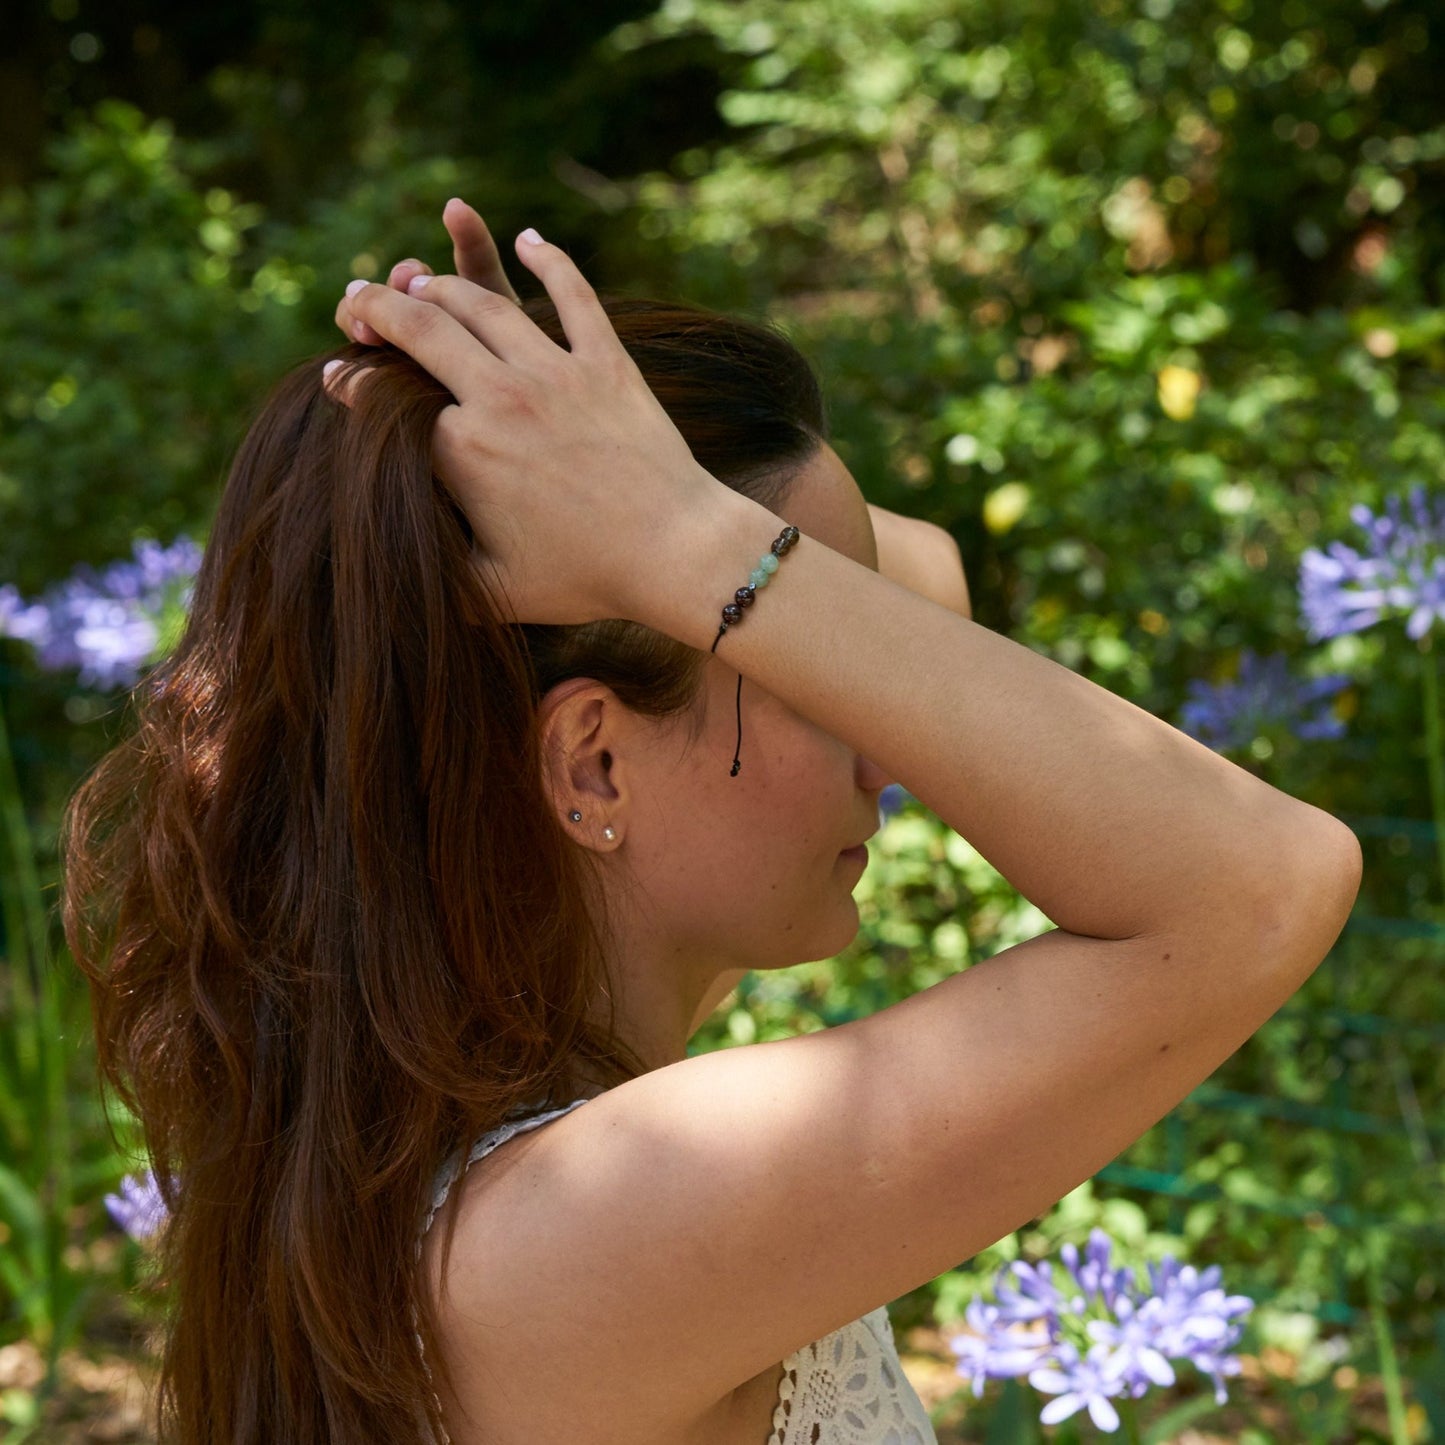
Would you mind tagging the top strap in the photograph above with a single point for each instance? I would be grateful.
(492, 1139)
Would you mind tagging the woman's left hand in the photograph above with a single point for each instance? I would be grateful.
(474, 254)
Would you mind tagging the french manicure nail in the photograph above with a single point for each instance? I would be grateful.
(329, 368)
(418, 283)
(355, 286)
(531, 237)
(358, 330)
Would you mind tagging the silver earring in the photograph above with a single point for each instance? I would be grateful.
(575, 816)
(608, 834)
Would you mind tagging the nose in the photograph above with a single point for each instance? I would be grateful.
(871, 778)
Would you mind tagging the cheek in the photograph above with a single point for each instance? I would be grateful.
(791, 795)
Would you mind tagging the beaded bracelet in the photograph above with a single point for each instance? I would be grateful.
(744, 598)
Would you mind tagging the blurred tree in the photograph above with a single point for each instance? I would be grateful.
(299, 96)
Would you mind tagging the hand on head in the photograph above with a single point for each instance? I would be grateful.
(572, 476)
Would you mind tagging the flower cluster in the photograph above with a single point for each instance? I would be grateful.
(1095, 1334)
(1233, 714)
(1402, 570)
(103, 624)
(138, 1208)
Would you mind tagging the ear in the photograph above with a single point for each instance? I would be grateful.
(576, 722)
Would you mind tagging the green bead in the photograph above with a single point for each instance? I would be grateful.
(758, 577)
(768, 562)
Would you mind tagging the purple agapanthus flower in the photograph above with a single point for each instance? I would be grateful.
(1094, 1334)
(138, 1208)
(1081, 1382)
(1135, 1338)
(1197, 1320)
(1027, 1292)
(103, 624)
(1092, 1273)
(999, 1348)
(1228, 715)
(1401, 571)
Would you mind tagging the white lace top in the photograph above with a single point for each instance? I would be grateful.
(846, 1389)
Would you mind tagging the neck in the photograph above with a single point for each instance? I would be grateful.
(654, 1011)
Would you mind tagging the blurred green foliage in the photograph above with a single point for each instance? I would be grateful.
(1021, 242)
(1136, 297)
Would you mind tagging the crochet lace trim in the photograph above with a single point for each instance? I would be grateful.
(849, 1389)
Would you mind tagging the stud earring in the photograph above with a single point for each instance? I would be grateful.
(575, 816)
(608, 834)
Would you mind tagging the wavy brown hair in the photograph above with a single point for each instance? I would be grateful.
(331, 923)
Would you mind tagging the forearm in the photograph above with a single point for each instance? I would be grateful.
(1112, 822)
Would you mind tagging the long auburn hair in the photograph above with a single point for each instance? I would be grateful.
(331, 924)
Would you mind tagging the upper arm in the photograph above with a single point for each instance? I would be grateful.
(728, 1209)
(921, 556)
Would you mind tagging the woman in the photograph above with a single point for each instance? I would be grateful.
(484, 766)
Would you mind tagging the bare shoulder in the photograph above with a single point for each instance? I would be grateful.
(681, 1234)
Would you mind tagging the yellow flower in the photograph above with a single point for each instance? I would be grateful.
(1003, 506)
(1179, 391)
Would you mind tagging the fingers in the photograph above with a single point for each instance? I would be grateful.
(505, 329)
(474, 252)
(499, 324)
(350, 328)
(400, 276)
(441, 331)
(583, 319)
(342, 380)
(399, 279)
(434, 338)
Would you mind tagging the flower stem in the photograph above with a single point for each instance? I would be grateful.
(1389, 1361)
(1129, 1414)
(1434, 746)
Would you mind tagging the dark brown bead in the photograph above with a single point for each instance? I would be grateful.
(745, 596)
(732, 613)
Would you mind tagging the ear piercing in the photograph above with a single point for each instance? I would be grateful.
(607, 832)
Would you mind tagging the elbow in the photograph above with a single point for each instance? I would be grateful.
(1311, 899)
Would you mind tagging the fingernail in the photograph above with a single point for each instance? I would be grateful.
(531, 237)
(418, 283)
(355, 286)
(328, 369)
(358, 330)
